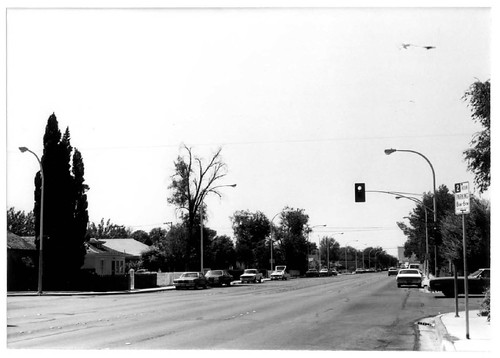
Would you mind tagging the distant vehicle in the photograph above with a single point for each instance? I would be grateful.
(251, 276)
(324, 272)
(360, 270)
(218, 277)
(191, 280)
(280, 273)
(334, 272)
(392, 271)
(477, 281)
(414, 266)
(409, 277)
(312, 273)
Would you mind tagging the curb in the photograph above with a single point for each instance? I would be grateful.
(91, 293)
(445, 341)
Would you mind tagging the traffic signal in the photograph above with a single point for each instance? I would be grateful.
(359, 192)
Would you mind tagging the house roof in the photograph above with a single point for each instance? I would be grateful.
(15, 242)
(93, 249)
(128, 246)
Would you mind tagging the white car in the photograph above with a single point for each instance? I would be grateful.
(280, 273)
(409, 277)
(251, 275)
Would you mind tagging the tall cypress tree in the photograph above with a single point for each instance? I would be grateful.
(65, 208)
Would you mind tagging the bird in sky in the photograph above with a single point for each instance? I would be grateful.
(405, 46)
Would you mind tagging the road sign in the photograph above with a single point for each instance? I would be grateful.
(462, 198)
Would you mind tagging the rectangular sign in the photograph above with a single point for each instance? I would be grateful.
(462, 198)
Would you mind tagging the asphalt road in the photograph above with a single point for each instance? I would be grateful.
(352, 312)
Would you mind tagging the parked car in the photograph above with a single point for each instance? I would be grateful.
(324, 272)
(312, 273)
(191, 280)
(280, 273)
(409, 277)
(477, 281)
(334, 272)
(218, 277)
(251, 275)
(392, 271)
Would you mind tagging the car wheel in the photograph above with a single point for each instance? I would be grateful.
(260, 280)
(399, 285)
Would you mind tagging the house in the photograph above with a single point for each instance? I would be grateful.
(104, 260)
(21, 259)
(131, 247)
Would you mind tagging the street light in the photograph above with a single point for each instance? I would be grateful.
(319, 245)
(40, 251)
(369, 252)
(201, 218)
(390, 151)
(271, 240)
(426, 229)
(345, 253)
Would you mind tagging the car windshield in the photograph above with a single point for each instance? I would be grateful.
(251, 271)
(214, 273)
(190, 274)
(476, 273)
(409, 272)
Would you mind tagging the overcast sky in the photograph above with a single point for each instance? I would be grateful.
(302, 101)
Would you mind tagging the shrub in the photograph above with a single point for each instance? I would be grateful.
(485, 305)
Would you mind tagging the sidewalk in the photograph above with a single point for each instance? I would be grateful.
(451, 331)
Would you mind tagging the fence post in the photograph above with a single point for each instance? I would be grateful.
(131, 279)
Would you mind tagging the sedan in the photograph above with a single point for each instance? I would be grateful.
(325, 272)
(218, 278)
(409, 277)
(392, 271)
(312, 273)
(191, 280)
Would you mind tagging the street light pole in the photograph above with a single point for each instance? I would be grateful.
(201, 219)
(426, 229)
(319, 245)
(40, 251)
(390, 151)
(345, 253)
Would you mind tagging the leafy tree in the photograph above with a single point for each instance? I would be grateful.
(157, 235)
(251, 231)
(329, 249)
(107, 230)
(415, 232)
(65, 207)
(20, 223)
(142, 236)
(223, 252)
(478, 156)
(292, 235)
(192, 181)
(477, 229)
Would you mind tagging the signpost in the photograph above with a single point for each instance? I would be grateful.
(462, 207)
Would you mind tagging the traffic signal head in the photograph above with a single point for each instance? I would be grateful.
(359, 192)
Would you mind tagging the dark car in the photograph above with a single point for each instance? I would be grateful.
(312, 273)
(477, 281)
(191, 280)
(218, 278)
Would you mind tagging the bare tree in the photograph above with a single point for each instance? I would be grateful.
(191, 182)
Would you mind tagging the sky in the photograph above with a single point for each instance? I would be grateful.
(303, 102)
